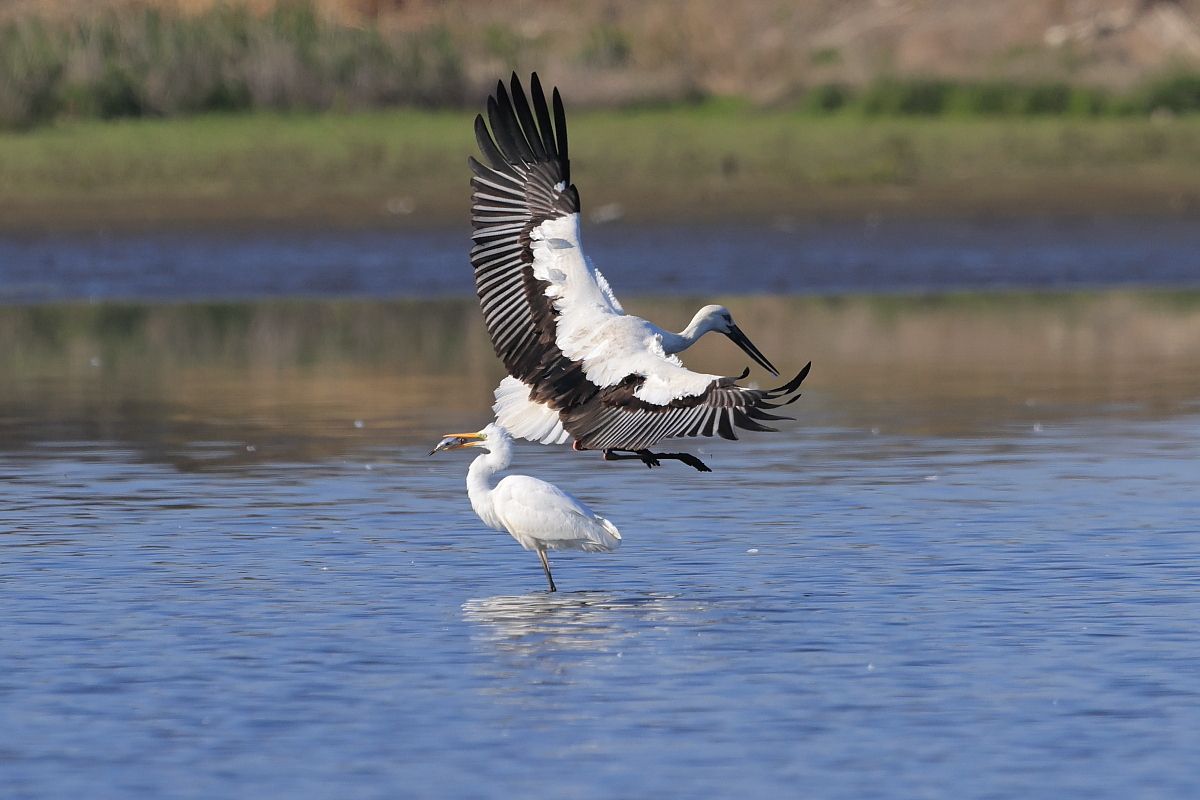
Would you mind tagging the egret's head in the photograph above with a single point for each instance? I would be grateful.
(718, 318)
(490, 437)
(453, 441)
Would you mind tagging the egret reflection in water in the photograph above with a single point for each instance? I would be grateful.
(536, 624)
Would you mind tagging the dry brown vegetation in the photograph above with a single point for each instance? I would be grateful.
(622, 50)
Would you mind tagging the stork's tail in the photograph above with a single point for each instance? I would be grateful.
(524, 418)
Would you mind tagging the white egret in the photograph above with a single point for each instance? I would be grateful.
(539, 515)
(579, 367)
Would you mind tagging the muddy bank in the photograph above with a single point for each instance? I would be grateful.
(779, 208)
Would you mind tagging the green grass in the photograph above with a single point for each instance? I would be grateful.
(216, 156)
(785, 147)
(650, 159)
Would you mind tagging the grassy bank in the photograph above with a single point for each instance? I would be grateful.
(699, 162)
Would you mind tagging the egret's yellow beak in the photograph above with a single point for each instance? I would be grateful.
(452, 441)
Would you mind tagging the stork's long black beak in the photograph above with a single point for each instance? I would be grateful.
(740, 339)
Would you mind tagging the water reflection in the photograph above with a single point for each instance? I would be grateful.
(308, 379)
(542, 623)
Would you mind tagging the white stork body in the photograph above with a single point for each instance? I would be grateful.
(593, 329)
(579, 367)
(539, 515)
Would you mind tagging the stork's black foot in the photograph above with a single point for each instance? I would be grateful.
(645, 456)
(688, 459)
(655, 459)
(648, 458)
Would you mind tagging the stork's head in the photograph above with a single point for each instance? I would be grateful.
(718, 318)
(485, 438)
(714, 318)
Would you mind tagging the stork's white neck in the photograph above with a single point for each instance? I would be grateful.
(701, 324)
(479, 489)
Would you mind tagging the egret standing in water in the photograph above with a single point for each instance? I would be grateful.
(539, 515)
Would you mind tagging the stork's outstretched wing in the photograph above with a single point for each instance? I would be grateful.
(615, 418)
(578, 367)
(529, 267)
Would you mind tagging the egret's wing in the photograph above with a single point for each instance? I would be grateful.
(535, 510)
(625, 417)
(529, 267)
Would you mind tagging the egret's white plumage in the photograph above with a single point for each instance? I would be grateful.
(539, 515)
(579, 367)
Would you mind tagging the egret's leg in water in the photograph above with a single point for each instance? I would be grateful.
(546, 566)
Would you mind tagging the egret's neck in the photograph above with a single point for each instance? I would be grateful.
(479, 489)
(678, 342)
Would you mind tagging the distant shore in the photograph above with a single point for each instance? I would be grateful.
(694, 164)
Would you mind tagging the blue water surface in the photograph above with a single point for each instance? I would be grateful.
(934, 596)
(833, 613)
(871, 256)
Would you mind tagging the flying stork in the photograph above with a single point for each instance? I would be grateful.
(579, 368)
